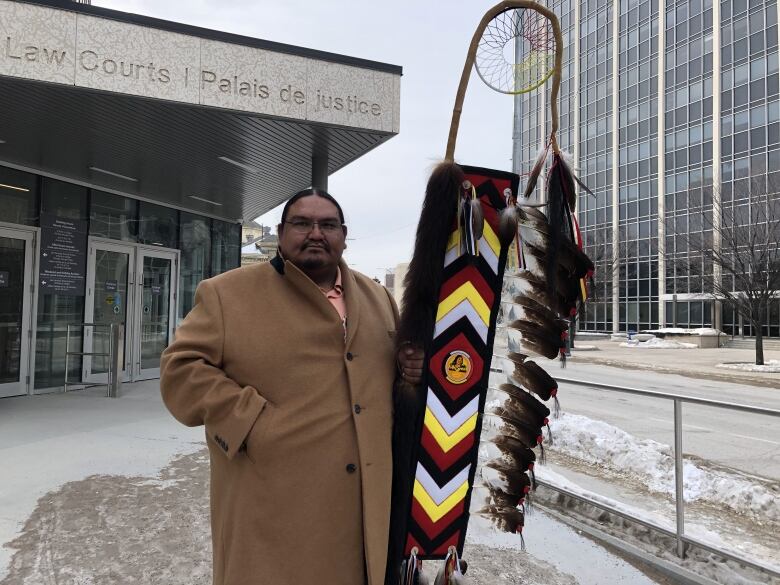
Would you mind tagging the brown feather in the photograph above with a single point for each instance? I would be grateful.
(507, 225)
(515, 481)
(513, 447)
(530, 435)
(504, 518)
(536, 380)
(533, 176)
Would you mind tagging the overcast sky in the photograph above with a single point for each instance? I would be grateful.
(381, 192)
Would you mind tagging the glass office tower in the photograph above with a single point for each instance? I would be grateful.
(668, 108)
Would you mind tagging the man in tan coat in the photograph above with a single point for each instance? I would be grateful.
(290, 366)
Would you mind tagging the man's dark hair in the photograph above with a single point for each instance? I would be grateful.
(309, 193)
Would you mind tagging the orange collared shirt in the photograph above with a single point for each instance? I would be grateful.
(336, 298)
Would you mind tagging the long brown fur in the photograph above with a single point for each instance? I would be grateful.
(423, 278)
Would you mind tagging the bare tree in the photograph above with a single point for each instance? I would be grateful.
(732, 252)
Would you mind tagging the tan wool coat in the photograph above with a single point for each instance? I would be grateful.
(297, 420)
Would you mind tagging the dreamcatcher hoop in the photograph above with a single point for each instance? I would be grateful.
(530, 38)
(540, 57)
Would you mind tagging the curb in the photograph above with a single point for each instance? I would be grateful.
(699, 374)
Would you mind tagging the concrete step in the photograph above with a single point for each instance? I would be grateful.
(750, 343)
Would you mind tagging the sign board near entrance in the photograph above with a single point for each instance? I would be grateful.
(63, 255)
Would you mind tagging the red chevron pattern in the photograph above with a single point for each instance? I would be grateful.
(457, 376)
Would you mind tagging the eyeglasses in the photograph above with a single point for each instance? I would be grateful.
(304, 226)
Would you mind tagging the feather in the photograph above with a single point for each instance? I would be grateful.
(569, 160)
(558, 209)
(517, 430)
(504, 518)
(528, 401)
(544, 318)
(540, 339)
(517, 358)
(523, 458)
(507, 225)
(533, 177)
(513, 447)
(529, 285)
(535, 379)
(525, 429)
(512, 481)
(537, 307)
(477, 218)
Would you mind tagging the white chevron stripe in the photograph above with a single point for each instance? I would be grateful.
(450, 424)
(462, 309)
(439, 494)
(488, 255)
(451, 256)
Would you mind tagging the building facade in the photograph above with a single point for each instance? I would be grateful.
(669, 107)
(132, 150)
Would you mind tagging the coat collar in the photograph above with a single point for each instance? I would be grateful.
(313, 294)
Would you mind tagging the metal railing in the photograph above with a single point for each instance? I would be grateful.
(679, 533)
(114, 354)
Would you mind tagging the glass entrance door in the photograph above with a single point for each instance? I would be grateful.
(134, 286)
(15, 302)
(109, 300)
(157, 275)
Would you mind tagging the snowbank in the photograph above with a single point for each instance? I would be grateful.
(656, 343)
(681, 331)
(652, 464)
(770, 366)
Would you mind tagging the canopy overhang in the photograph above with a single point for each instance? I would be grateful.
(196, 119)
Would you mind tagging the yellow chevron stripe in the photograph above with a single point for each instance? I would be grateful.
(445, 441)
(492, 239)
(454, 240)
(465, 291)
(436, 512)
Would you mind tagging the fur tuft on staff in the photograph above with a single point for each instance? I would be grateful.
(423, 278)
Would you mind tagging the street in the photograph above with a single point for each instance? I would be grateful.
(739, 440)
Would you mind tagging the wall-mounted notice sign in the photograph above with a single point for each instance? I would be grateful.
(63, 255)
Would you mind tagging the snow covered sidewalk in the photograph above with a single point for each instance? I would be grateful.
(109, 492)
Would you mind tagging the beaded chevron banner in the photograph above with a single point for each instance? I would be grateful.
(457, 371)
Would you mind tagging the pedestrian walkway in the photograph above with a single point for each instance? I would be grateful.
(115, 491)
(695, 363)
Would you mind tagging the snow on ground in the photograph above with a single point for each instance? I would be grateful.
(769, 366)
(656, 343)
(49, 441)
(652, 464)
(681, 331)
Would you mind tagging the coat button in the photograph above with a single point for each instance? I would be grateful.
(358, 408)
(349, 356)
(351, 468)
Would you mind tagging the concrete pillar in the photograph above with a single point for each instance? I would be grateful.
(615, 166)
(661, 163)
(717, 322)
(319, 171)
